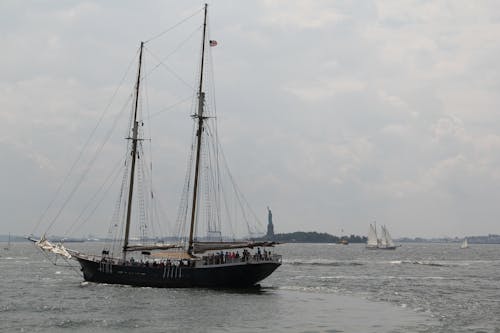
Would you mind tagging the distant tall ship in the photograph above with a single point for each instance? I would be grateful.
(379, 241)
(194, 261)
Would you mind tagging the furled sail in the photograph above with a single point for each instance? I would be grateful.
(58, 248)
(152, 247)
(200, 247)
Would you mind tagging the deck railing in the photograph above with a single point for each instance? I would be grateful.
(208, 260)
(220, 259)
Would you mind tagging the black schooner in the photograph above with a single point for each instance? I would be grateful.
(190, 262)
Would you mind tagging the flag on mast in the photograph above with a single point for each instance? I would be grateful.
(213, 43)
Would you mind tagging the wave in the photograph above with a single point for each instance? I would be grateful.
(379, 277)
(324, 262)
(418, 262)
(309, 289)
(14, 258)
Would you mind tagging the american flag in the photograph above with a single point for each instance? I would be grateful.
(213, 43)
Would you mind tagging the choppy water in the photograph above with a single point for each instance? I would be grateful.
(319, 288)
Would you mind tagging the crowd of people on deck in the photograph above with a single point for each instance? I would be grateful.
(233, 257)
(216, 258)
(161, 263)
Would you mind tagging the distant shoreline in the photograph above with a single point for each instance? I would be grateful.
(313, 237)
(305, 237)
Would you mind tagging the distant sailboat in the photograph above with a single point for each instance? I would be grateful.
(465, 244)
(384, 242)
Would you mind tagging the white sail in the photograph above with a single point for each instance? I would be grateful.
(383, 237)
(372, 237)
(387, 237)
(465, 244)
(58, 249)
(152, 247)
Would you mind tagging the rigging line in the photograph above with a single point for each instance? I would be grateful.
(225, 204)
(89, 166)
(212, 97)
(54, 261)
(122, 207)
(214, 184)
(204, 186)
(150, 146)
(148, 204)
(144, 182)
(139, 201)
(174, 26)
(219, 185)
(170, 69)
(161, 211)
(151, 201)
(113, 175)
(151, 195)
(119, 206)
(236, 188)
(214, 104)
(86, 143)
(168, 108)
(212, 75)
(181, 44)
(184, 203)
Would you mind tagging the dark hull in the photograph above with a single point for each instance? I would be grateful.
(382, 248)
(238, 275)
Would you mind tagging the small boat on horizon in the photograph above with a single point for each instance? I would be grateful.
(343, 241)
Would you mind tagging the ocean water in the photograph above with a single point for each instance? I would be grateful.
(319, 288)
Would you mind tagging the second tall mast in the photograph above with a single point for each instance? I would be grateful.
(199, 132)
(135, 130)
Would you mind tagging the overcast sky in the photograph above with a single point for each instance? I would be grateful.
(333, 113)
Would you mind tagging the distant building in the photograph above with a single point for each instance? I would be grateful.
(270, 226)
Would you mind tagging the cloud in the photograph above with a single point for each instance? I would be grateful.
(324, 89)
(301, 14)
(333, 113)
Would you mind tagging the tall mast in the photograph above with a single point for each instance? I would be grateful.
(134, 139)
(199, 132)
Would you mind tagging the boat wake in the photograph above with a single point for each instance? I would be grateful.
(317, 262)
(310, 289)
(14, 258)
(424, 263)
